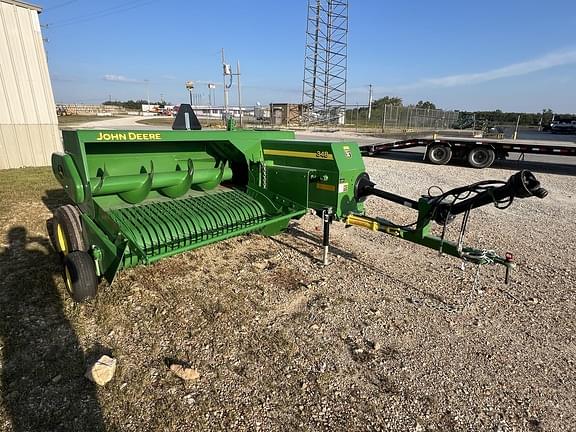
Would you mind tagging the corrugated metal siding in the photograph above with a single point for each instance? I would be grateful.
(28, 122)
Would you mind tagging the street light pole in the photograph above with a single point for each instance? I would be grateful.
(190, 87)
(370, 103)
(148, 93)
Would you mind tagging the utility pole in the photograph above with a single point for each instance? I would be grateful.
(541, 121)
(370, 103)
(225, 71)
(239, 90)
(384, 119)
(148, 92)
(516, 129)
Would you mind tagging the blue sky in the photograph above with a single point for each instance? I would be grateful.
(507, 54)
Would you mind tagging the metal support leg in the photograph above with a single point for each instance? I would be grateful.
(327, 218)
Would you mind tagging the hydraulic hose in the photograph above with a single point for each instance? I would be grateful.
(523, 184)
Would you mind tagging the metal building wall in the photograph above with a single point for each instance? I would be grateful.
(28, 122)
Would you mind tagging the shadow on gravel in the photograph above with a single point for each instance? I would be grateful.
(509, 164)
(539, 167)
(316, 241)
(313, 241)
(42, 371)
(55, 198)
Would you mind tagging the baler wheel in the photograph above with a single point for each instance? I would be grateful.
(80, 276)
(67, 230)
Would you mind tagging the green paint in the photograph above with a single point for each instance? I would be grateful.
(146, 195)
(333, 166)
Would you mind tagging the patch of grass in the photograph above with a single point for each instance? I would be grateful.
(24, 185)
(80, 119)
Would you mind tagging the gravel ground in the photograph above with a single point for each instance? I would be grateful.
(389, 336)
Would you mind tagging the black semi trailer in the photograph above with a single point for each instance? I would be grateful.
(479, 153)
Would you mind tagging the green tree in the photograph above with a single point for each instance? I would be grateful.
(425, 105)
(386, 100)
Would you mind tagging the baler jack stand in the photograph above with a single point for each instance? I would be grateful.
(327, 218)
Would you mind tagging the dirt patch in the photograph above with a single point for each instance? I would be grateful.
(389, 336)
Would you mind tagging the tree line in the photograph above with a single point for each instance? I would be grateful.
(134, 104)
(496, 117)
(379, 104)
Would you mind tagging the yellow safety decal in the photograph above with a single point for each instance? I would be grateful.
(347, 152)
(298, 154)
(326, 187)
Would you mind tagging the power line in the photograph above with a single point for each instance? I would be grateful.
(102, 13)
(66, 3)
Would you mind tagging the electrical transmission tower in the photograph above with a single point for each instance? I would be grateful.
(325, 62)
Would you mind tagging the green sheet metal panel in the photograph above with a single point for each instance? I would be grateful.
(334, 166)
(138, 153)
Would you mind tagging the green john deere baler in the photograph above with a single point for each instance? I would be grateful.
(140, 196)
(144, 195)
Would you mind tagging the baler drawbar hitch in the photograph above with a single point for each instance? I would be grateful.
(443, 209)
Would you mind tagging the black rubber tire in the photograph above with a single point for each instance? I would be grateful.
(481, 157)
(439, 154)
(67, 230)
(80, 276)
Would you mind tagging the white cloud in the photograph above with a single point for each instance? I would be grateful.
(120, 78)
(544, 62)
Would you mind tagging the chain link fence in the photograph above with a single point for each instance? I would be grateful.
(387, 119)
(398, 119)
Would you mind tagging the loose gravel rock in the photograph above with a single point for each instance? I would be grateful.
(102, 371)
(389, 336)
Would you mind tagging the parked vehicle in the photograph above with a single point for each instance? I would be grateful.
(563, 127)
(479, 153)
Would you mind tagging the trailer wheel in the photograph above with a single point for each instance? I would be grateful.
(67, 230)
(439, 154)
(481, 157)
(80, 276)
